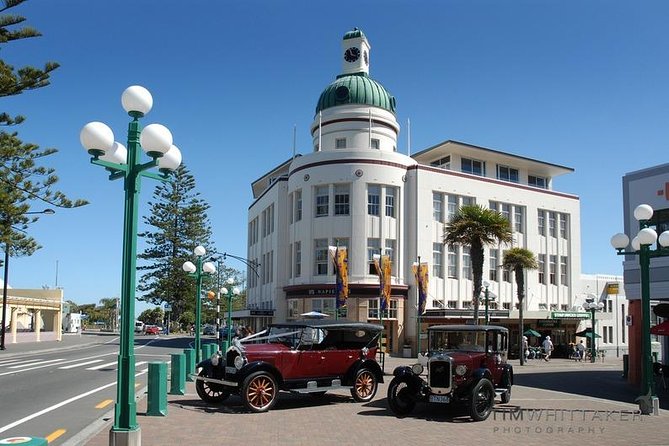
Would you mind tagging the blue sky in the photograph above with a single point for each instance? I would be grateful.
(577, 83)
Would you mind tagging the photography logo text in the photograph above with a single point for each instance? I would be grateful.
(516, 420)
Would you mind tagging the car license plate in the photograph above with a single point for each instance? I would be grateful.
(230, 370)
(439, 399)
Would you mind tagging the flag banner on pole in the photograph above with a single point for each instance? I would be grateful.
(420, 271)
(386, 266)
(340, 262)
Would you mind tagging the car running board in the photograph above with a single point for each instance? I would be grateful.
(213, 380)
(312, 386)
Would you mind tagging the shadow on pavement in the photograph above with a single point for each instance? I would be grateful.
(605, 384)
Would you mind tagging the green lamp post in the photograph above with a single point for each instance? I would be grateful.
(641, 247)
(156, 141)
(593, 307)
(486, 296)
(197, 271)
(229, 293)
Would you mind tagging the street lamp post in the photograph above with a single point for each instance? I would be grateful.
(486, 285)
(229, 293)
(641, 247)
(8, 226)
(197, 271)
(156, 141)
(593, 307)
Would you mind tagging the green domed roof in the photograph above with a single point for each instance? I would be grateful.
(355, 32)
(357, 88)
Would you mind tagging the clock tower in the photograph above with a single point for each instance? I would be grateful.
(355, 52)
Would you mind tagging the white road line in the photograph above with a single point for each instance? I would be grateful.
(28, 365)
(56, 406)
(25, 370)
(102, 366)
(16, 361)
(79, 364)
(140, 363)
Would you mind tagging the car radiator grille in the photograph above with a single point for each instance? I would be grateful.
(440, 374)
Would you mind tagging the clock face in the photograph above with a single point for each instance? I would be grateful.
(352, 54)
(365, 56)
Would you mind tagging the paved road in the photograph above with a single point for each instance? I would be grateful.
(57, 389)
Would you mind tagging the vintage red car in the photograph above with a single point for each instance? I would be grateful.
(307, 356)
(151, 330)
(464, 364)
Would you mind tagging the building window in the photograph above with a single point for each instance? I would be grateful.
(342, 199)
(298, 205)
(390, 251)
(373, 308)
(466, 263)
(506, 273)
(452, 262)
(322, 201)
(291, 208)
(373, 199)
(537, 181)
(552, 267)
(293, 308)
(475, 167)
(468, 201)
(324, 305)
(541, 259)
(390, 202)
(466, 304)
(298, 259)
(541, 222)
(563, 226)
(505, 210)
(507, 173)
(320, 257)
(492, 261)
(452, 304)
(563, 270)
(551, 224)
(437, 206)
(610, 306)
(444, 163)
(437, 264)
(373, 247)
(452, 207)
(340, 143)
(518, 219)
(506, 305)
(376, 144)
(493, 205)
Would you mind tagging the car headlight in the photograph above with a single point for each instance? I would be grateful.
(215, 358)
(239, 362)
(461, 369)
(417, 369)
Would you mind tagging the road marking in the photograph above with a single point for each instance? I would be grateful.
(25, 370)
(102, 366)
(41, 363)
(55, 434)
(16, 361)
(79, 364)
(56, 406)
(104, 404)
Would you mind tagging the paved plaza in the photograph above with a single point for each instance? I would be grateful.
(552, 403)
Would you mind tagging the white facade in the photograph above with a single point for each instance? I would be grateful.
(356, 190)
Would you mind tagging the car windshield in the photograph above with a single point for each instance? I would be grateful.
(470, 341)
(288, 336)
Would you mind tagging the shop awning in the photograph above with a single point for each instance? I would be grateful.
(586, 333)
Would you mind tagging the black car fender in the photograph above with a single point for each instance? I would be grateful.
(507, 376)
(370, 364)
(206, 365)
(404, 372)
(259, 366)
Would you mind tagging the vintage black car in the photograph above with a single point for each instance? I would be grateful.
(464, 364)
(307, 356)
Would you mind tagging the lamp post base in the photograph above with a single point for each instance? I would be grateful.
(125, 437)
(648, 405)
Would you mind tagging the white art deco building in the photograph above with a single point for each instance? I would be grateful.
(356, 190)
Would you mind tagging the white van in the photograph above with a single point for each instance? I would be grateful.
(139, 327)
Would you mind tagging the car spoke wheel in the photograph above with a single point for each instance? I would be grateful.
(399, 397)
(210, 392)
(482, 400)
(259, 392)
(365, 385)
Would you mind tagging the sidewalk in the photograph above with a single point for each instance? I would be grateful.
(552, 402)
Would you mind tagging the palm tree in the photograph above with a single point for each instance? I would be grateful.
(477, 227)
(518, 260)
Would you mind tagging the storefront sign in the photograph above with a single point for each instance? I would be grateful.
(612, 288)
(569, 315)
(262, 312)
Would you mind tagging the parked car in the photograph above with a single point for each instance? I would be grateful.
(152, 330)
(464, 364)
(307, 357)
(209, 330)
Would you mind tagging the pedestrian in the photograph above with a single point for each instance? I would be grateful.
(548, 348)
(526, 350)
(580, 348)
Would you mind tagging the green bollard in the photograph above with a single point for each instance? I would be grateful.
(190, 363)
(157, 398)
(178, 378)
(25, 441)
(211, 348)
